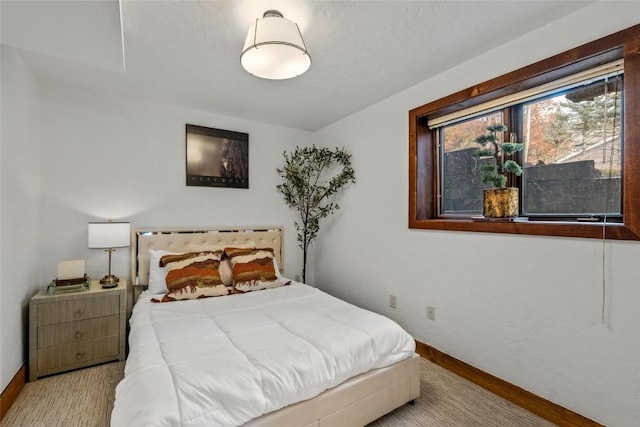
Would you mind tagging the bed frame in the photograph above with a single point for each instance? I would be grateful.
(356, 402)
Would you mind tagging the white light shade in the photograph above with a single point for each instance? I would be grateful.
(274, 48)
(106, 235)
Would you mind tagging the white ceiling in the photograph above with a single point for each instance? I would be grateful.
(187, 52)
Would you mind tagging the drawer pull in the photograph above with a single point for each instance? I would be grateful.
(79, 355)
(79, 313)
(79, 334)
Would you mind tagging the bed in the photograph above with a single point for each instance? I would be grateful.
(289, 356)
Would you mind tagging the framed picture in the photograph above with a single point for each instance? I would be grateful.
(217, 158)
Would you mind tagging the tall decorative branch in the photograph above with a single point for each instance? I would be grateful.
(309, 188)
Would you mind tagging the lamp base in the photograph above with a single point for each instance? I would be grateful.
(109, 281)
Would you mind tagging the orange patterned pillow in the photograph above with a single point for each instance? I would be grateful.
(253, 269)
(225, 266)
(193, 275)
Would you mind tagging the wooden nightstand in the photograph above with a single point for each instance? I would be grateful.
(71, 330)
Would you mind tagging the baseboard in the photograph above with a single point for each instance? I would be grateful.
(10, 393)
(525, 399)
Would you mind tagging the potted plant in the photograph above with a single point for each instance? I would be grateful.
(499, 201)
(311, 178)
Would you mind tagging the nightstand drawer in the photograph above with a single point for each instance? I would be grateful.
(83, 330)
(77, 353)
(78, 309)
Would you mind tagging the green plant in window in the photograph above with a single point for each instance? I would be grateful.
(495, 172)
(311, 178)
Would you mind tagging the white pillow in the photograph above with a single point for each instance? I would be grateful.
(277, 268)
(157, 274)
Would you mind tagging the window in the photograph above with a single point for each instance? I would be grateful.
(572, 159)
(573, 153)
(569, 111)
(460, 182)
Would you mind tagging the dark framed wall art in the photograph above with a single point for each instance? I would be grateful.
(217, 158)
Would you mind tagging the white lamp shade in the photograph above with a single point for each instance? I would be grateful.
(274, 49)
(106, 235)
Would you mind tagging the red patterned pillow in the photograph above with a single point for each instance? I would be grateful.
(193, 275)
(253, 269)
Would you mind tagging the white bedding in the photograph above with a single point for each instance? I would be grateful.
(224, 361)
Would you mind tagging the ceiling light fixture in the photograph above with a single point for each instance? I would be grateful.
(274, 48)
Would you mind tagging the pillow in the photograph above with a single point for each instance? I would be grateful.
(157, 274)
(276, 267)
(193, 275)
(226, 274)
(253, 269)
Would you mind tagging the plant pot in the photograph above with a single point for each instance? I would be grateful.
(500, 203)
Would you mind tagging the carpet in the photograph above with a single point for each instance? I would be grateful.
(84, 398)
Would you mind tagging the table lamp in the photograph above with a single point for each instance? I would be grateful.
(108, 236)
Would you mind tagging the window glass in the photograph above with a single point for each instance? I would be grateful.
(573, 152)
(461, 181)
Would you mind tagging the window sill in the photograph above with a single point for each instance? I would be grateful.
(614, 231)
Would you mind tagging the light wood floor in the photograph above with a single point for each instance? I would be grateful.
(85, 398)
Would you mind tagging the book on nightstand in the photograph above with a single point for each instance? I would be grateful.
(69, 285)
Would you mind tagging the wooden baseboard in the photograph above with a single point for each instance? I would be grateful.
(521, 397)
(10, 393)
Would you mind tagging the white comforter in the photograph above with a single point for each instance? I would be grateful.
(223, 361)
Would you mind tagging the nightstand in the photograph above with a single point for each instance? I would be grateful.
(71, 330)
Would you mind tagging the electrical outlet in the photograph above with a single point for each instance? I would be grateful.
(431, 312)
(393, 301)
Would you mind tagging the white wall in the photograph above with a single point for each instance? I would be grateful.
(20, 208)
(112, 157)
(105, 156)
(526, 309)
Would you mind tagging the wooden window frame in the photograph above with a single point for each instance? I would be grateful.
(423, 165)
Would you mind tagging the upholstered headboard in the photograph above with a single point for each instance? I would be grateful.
(177, 240)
